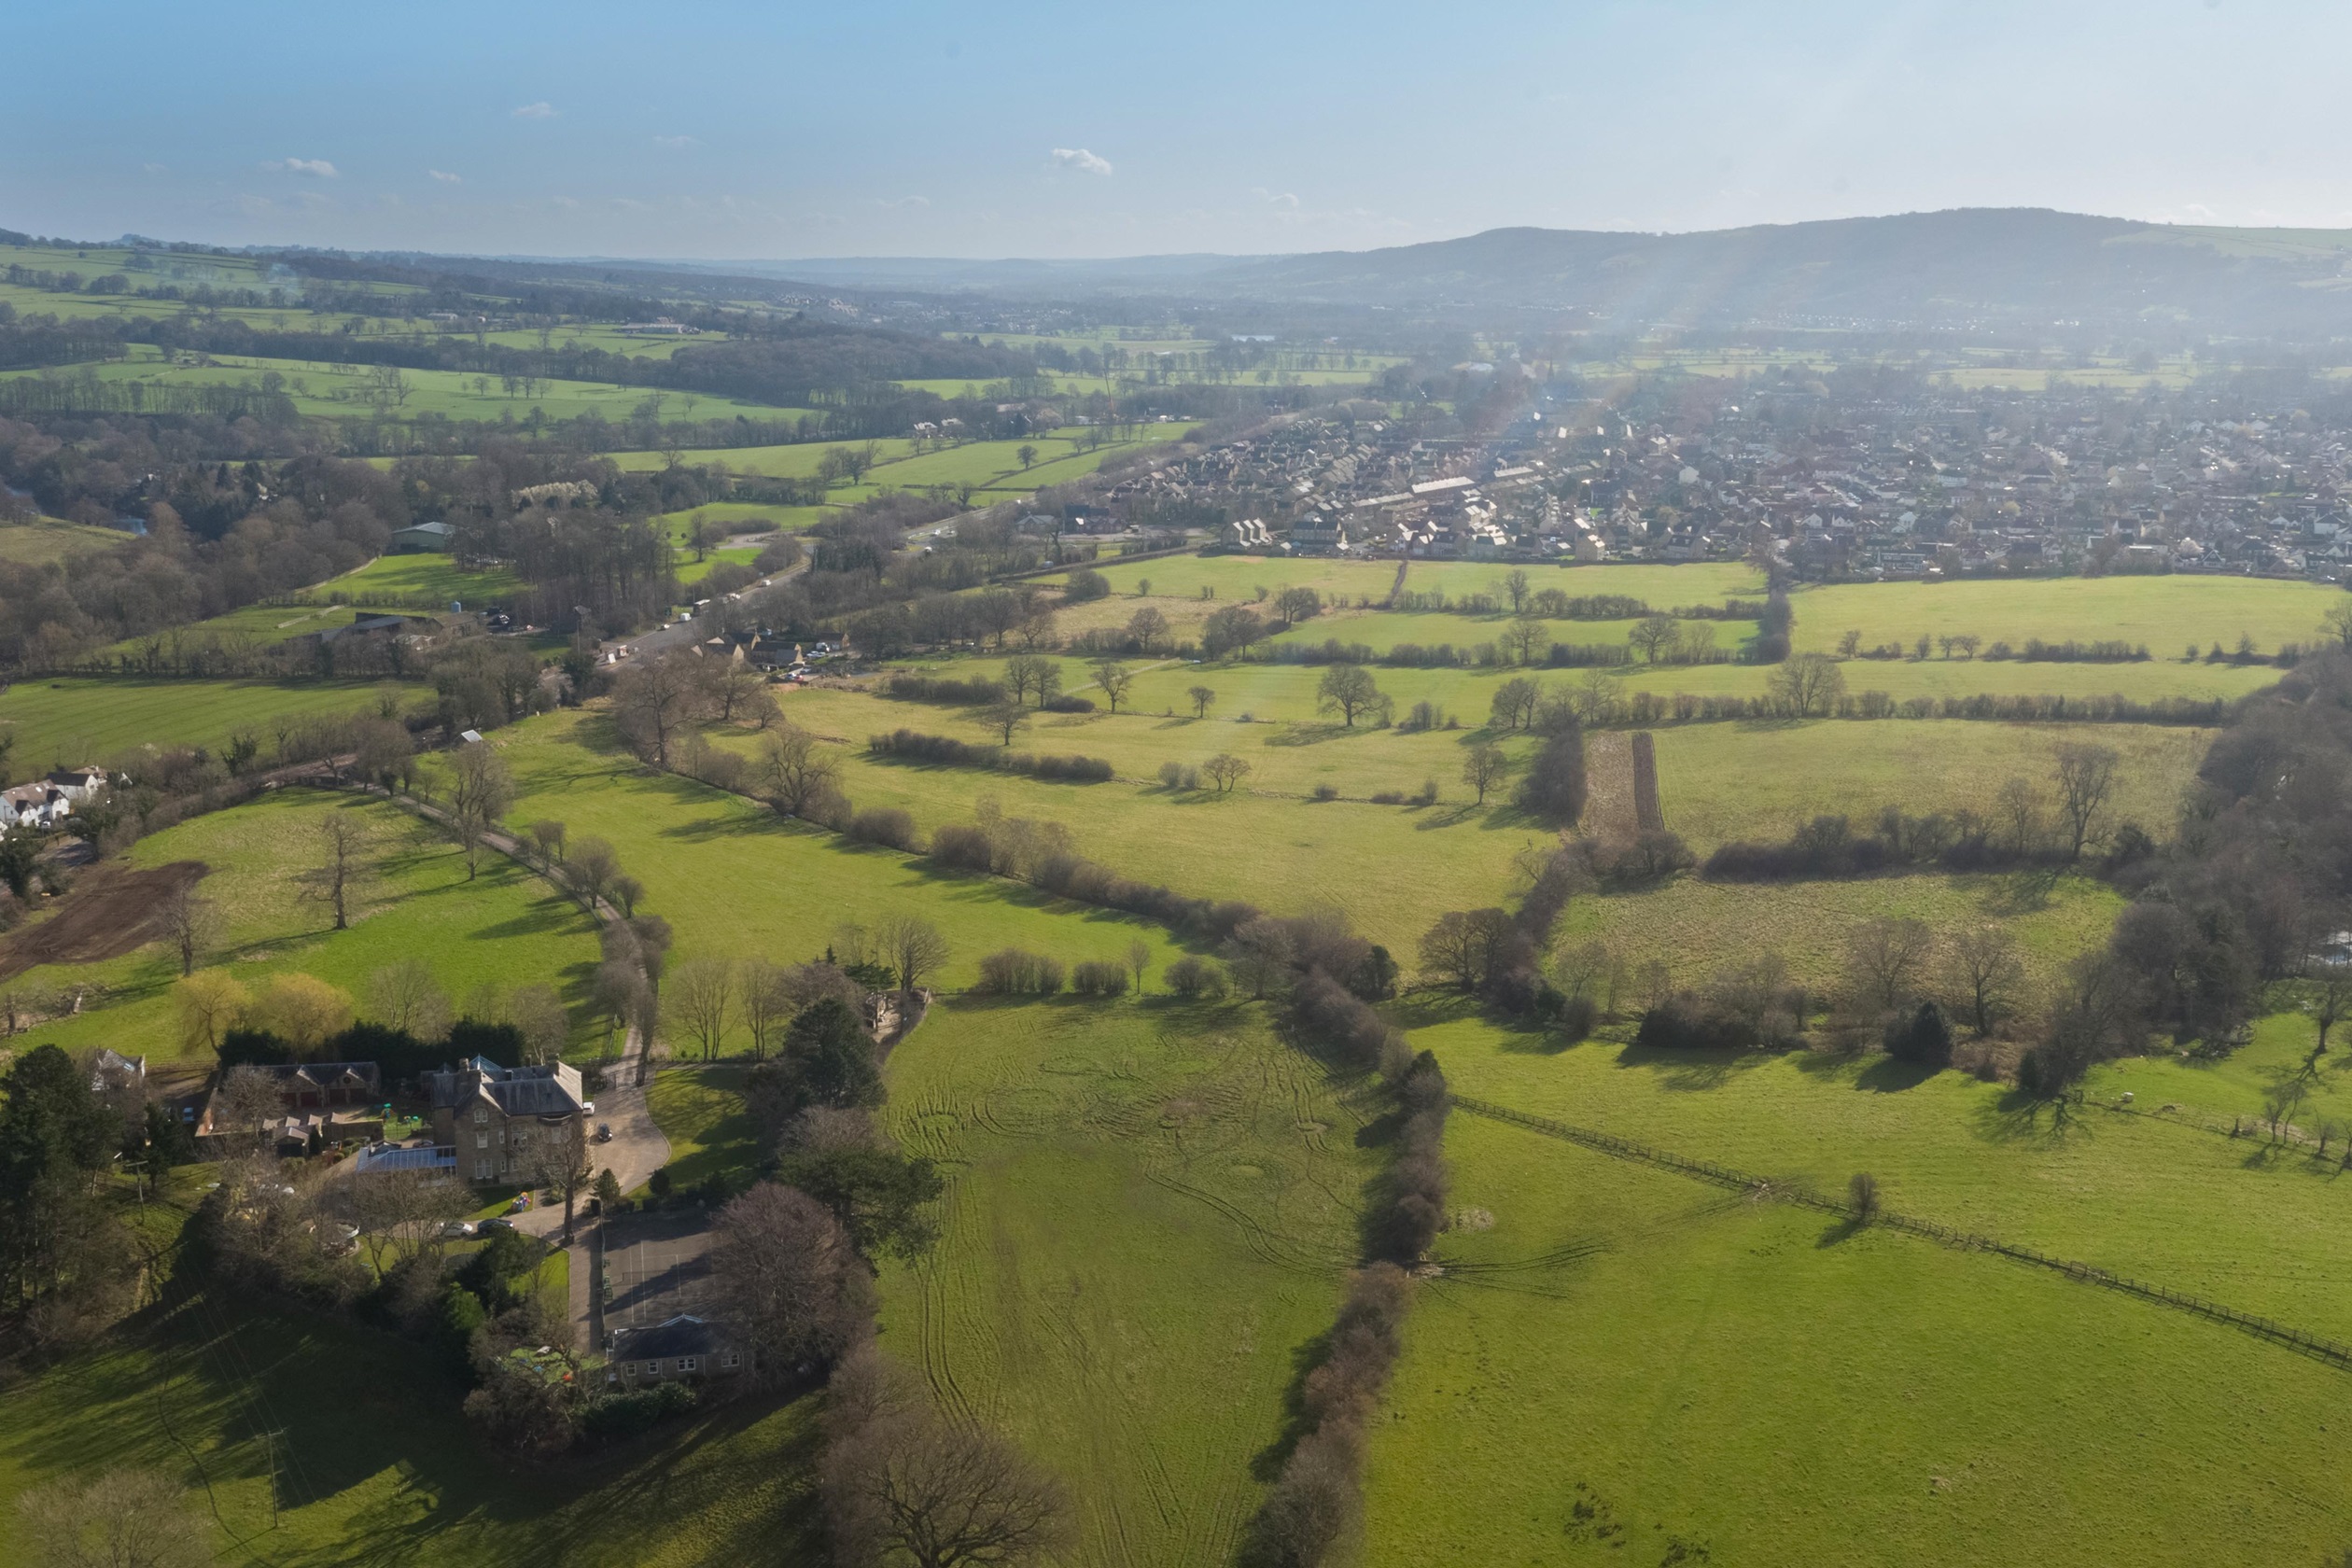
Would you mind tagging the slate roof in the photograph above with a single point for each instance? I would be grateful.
(683, 1336)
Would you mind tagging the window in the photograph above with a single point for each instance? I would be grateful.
(687, 1364)
(481, 1114)
(484, 1171)
(482, 1140)
(732, 1360)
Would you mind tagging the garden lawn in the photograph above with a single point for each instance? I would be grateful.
(71, 720)
(1150, 1212)
(1631, 1367)
(505, 928)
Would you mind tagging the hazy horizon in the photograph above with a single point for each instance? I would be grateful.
(916, 130)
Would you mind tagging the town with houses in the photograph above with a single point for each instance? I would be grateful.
(1942, 485)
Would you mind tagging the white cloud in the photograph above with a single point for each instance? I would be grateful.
(677, 144)
(1283, 201)
(445, 177)
(540, 110)
(154, 168)
(312, 168)
(1080, 160)
(894, 203)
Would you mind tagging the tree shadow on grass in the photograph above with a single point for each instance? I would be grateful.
(1893, 1076)
(1316, 734)
(2014, 1116)
(1691, 1070)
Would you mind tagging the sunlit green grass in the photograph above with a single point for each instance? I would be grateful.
(503, 929)
(71, 720)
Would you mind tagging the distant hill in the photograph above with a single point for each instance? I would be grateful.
(2023, 267)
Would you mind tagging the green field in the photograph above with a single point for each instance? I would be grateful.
(2164, 613)
(325, 389)
(372, 1461)
(1150, 1211)
(70, 720)
(51, 539)
(990, 466)
(736, 882)
(1725, 781)
(505, 928)
(1688, 1367)
(424, 575)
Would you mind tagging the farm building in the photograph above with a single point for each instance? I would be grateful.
(420, 538)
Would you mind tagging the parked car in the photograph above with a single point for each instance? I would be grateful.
(489, 1225)
(459, 1230)
(604, 1132)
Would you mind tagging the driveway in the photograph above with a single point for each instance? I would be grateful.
(636, 1151)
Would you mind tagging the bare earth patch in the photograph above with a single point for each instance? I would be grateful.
(1609, 814)
(113, 911)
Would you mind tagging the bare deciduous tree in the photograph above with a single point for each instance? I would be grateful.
(763, 994)
(560, 1163)
(913, 946)
(786, 1276)
(191, 924)
(480, 791)
(2086, 780)
(794, 774)
(124, 1518)
(248, 1101)
(1883, 956)
(403, 996)
(1116, 680)
(1349, 690)
(343, 870)
(1226, 770)
(1485, 766)
(1808, 684)
(1202, 697)
(900, 1480)
(699, 1000)
(1985, 971)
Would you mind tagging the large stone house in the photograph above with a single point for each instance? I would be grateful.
(501, 1119)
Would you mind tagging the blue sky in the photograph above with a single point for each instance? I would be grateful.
(766, 131)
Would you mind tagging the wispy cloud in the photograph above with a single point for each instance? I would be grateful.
(1283, 201)
(894, 203)
(1080, 160)
(310, 168)
(155, 168)
(540, 110)
(677, 144)
(445, 177)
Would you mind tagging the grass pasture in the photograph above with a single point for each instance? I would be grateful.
(421, 575)
(1150, 1208)
(505, 928)
(326, 389)
(1630, 1364)
(48, 540)
(2164, 613)
(72, 720)
(734, 882)
(1760, 780)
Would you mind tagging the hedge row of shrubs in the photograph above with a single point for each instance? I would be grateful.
(1318, 1497)
(939, 689)
(914, 746)
(1013, 971)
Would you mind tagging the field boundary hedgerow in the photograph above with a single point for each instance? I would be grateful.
(2330, 1351)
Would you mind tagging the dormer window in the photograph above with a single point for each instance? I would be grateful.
(482, 1115)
